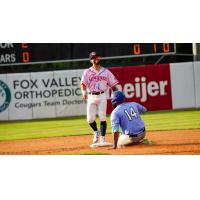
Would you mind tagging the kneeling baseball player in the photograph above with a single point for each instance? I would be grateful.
(127, 117)
(94, 83)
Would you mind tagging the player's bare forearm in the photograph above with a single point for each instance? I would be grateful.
(115, 138)
(83, 86)
(84, 92)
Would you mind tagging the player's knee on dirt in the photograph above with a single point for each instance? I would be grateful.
(123, 140)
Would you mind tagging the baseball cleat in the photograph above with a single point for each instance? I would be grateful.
(102, 139)
(96, 137)
(94, 145)
(105, 144)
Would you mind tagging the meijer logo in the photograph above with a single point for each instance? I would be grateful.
(142, 89)
(5, 96)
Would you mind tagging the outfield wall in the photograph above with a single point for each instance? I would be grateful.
(197, 83)
(185, 81)
(42, 95)
(57, 93)
(183, 89)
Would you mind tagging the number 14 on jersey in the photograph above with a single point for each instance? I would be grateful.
(131, 114)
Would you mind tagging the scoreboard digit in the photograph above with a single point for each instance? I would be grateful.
(154, 48)
(25, 53)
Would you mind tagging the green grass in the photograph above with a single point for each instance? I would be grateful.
(155, 121)
(172, 120)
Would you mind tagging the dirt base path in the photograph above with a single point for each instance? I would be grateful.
(185, 142)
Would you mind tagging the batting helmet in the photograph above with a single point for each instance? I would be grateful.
(92, 55)
(117, 98)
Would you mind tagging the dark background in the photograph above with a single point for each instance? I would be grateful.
(68, 51)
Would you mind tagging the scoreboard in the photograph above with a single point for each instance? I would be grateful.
(35, 53)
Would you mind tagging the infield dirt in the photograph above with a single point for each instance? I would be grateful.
(181, 142)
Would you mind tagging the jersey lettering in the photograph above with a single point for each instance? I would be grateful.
(131, 114)
(98, 81)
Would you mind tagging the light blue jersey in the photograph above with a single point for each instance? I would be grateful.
(127, 116)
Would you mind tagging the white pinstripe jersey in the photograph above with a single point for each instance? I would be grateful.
(98, 81)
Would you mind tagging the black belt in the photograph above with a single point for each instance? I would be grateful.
(96, 93)
(133, 135)
(136, 135)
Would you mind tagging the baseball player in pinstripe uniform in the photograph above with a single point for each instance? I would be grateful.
(126, 116)
(94, 83)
